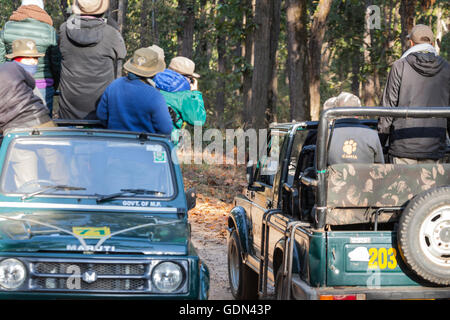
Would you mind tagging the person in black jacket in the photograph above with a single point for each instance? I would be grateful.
(420, 78)
(91, 50)
(21, 107)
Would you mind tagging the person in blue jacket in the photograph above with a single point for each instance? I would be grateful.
(132, 103)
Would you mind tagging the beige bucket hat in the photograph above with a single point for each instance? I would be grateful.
(183, 66)
(24, 48)
(146, 62)
(90, 7)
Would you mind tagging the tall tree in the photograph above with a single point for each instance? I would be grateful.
(248, 53)
(407, 13)
(369, 83)
(267, 20)
(186, 31)
(145, 32)
(297, 56)
(221, 66)
(318, 29)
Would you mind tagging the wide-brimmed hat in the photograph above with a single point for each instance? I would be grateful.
(145, 63)
(90, 7)
(24, 48)
(420, 31)
(183, 66)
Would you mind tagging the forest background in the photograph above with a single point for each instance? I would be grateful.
(265, 61)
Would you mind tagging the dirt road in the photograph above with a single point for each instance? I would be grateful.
(216, 187)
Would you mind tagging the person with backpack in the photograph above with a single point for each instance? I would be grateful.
(31, 21)
(179, 86)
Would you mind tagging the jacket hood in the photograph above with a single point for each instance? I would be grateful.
(426, 64)
(85, 32)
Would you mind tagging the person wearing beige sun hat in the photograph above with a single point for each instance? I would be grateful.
(132, 103)
(91, 50)
(31, 21)
(21, 106)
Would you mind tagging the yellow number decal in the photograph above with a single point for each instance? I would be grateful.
(382, 258)
(392, 258)
(373, 254)
(91, 232)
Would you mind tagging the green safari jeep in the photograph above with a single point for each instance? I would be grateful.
(93, 213)
(345, 231)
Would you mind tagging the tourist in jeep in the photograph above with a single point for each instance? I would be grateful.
(20, 106)
(424, 79)
(31, 21)
(91, 50)
(351, 141)
(131, 103)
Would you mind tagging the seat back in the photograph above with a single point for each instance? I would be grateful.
(381, 185)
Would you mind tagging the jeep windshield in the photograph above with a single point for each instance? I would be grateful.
(87, 166)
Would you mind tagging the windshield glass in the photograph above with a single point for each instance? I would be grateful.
(87, 166)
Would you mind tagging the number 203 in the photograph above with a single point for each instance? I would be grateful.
(382, 258)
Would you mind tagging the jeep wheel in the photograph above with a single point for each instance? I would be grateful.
(243, 280)
(424, 235)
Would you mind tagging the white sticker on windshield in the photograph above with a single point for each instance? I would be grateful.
(154, 147)
(159, 157)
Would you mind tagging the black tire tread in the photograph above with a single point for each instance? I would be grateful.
(405, 221)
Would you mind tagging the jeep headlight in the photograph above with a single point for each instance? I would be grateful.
(12, 273)
(167, 276)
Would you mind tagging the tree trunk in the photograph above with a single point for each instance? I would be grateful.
(248, 60)
(369, 83)
(222, 66)
(297, 54)
(186, 32)
(407, 12)
(264, 91)
(318, 29)
(145, 32)
(122, 15)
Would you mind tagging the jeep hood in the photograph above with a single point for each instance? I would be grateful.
(93, 232)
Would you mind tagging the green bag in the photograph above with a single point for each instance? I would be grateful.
(188, 107)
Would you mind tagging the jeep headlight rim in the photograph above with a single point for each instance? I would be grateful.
(12, 273)
(168, 276)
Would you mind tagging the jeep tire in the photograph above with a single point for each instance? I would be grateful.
(424, 235)
(243, 280)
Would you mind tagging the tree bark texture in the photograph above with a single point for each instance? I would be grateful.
(186, 31)
(318, 29)
(407, 12)
(297, 57)
(264, 90)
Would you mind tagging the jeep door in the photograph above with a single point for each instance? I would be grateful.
(262, 195)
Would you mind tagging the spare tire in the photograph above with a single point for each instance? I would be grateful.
(424, 235)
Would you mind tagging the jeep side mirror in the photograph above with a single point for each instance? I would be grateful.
(250, 172)
(191, 198)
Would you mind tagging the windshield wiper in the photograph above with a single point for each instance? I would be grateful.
(124, 192)
(51, 187)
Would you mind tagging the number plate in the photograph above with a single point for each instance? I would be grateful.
(91, 232)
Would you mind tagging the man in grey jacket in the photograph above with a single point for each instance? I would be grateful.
(351, 141)
(420, 78)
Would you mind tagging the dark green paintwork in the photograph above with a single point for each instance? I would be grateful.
(158, 241)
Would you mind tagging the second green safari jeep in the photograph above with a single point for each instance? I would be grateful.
(346, 231)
